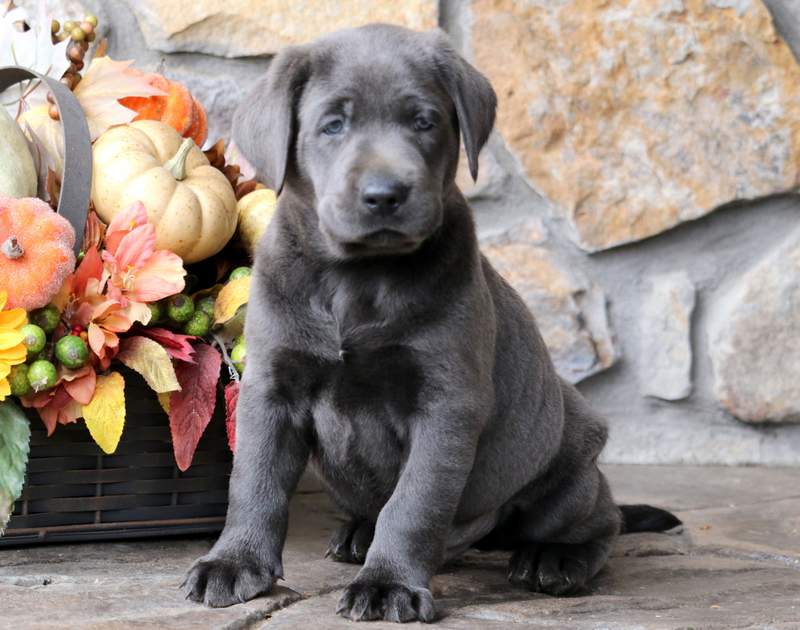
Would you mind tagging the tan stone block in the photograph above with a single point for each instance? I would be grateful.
(237, 28)
(754, 340)
(569, 309)
(635, 115)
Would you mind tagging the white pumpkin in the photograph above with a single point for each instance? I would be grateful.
(17, 170)
(191, 203)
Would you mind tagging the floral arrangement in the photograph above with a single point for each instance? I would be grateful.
(140, 293)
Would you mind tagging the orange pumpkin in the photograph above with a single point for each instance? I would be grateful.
(35, 252)
(178, 109)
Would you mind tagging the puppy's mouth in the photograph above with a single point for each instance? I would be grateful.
(381, 242)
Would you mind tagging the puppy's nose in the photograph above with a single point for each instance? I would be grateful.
(384, 194)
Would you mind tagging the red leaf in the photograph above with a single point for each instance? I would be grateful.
(175, 344)
(191, 408)
(231, 399)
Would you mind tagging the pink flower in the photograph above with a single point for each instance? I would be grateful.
(137, 272)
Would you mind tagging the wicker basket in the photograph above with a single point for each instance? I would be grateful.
(73, 491)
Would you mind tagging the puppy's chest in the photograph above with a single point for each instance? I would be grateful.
(365, 392)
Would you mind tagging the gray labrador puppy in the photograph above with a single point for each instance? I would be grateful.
(385, 349)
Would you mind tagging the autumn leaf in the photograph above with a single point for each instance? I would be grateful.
(15, 435)
(191, 408)
(231, 400)
(176, 344)
(103, 84)
(151, 360)
(105, 415)
(163, 400)
(230, 298)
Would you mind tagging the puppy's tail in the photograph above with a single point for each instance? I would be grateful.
(646, 518)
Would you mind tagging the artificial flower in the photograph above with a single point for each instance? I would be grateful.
(64, 403)
(139, 273)
(12, 349)
(86, 305)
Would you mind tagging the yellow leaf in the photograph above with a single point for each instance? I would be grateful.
(105, 415)
(230, 298)
(163, 400)
(151, 360)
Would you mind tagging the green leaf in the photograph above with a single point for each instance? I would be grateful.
(15, 438)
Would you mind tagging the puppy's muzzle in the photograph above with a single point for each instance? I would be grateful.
(382, 194)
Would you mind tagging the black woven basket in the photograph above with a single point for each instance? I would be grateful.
(73, 492)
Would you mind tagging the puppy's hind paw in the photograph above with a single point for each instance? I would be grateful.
(220, 582)
(549, 568)
(370, 600)
(351, 542)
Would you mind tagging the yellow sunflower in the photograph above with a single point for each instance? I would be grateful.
(12, 350)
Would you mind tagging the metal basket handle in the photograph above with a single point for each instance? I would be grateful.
(76, 178)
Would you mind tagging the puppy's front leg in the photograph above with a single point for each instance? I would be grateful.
(411, 532)
(270, 457)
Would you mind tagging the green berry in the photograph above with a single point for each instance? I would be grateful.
(77, 34)
(180, 308)
(42, 375)
(239, 272)
(239, 356)
(205, 305)
(55, 27)
(70, 25)
(46, 318)
(18, 379)
(198, 325)
(72, 352)
(92, 19)
(156, 312)
(34, 339)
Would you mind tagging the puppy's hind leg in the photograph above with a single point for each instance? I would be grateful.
(351, 541)
(559, 555)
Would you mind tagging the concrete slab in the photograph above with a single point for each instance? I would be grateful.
(735, 565)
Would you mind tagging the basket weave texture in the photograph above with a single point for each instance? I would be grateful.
(74, 492)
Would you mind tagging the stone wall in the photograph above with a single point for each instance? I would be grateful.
(638, 190)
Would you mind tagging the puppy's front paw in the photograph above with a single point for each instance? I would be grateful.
(367, 600)
(226, 579)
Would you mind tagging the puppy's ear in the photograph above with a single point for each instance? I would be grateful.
(265, 123)
(473, 96)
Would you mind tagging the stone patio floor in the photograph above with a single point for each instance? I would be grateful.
(735, 565)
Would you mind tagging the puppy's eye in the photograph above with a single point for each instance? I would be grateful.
(334, 127)
(423, 124)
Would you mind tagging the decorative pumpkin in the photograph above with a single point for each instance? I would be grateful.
(178, 109)
(17, 171)
(191, 203)
(255, 212)
(35, 251)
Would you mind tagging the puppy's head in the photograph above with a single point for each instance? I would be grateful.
(365, 124)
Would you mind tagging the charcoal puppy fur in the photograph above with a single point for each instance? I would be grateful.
(386, 350)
